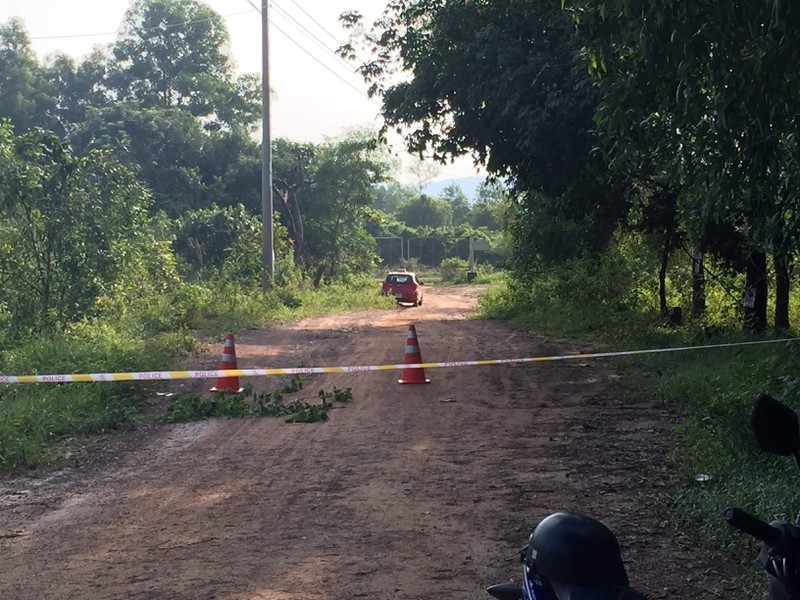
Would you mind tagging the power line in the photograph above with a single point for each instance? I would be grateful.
(315, 21)
(291, 39)
(298, 24)
(333, 37)
(159, 27)
(311, 35)
(197, 21)
(257, 9)
(299, 45)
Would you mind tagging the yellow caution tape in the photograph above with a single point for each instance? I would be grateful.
(212, 374)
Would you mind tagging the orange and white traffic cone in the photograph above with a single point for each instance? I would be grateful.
(227, 362)
(412, 357)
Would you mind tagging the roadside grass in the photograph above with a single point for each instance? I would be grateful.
(35, 418)
(41, 423)
(714, 462)
(233, 309)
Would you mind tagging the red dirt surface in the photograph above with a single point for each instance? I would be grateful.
(423, 491)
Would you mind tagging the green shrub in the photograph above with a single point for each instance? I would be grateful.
(289, 298)
(454, 270)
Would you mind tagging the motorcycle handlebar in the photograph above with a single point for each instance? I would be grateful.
(744, 521)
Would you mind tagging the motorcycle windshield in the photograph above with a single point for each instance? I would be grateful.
(533, 590)
(566, 591)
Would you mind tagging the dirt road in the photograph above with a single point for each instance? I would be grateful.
(408, 492)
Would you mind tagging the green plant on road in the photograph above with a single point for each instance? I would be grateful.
(193, 407)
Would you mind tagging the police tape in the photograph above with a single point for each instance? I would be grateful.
(212, 374)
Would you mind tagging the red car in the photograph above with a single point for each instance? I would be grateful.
(404, 286)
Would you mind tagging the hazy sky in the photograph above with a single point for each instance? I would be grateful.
(310, 101)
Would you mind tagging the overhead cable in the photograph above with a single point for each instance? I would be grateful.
(159, 27)
(322, 64)
(310, 34)
(291, 39)
(315, 21)
(333, 37)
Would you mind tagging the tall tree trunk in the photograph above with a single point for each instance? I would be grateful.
(320, 272)
(288, 196)
(782, 285)
(698, 282)
(662, 279)
(755, 293)
(299, 231)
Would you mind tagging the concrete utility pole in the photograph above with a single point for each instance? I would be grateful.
(266, 154)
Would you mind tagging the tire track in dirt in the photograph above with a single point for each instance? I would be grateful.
(407, 492)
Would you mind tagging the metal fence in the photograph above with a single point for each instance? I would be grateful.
(426, 250)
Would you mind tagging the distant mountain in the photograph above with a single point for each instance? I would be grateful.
(468, 185)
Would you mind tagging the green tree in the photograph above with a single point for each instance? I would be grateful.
(226, 242)
(324, 197)
(422, 171)
(230, 167)
(491, 200)
(390, 196)
(204, 237)
(185, 166)
(171, 54)
(166, 144)
(502, 81)
(69, 90)
(336, 206)
(426, 212)
(54, 95)
(19, 72)
(70, 228)
(719, 100)
(491, 191)
(455, 196)
(291, 162)
(484, 215)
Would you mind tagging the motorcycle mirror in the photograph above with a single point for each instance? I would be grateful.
(505, 591)
(775, 426)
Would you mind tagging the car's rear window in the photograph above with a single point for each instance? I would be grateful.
(398, 279)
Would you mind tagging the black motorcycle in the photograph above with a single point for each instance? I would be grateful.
(573, 557)
(777, 431)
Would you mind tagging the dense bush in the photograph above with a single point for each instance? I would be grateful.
(456, 270)
(71, 229)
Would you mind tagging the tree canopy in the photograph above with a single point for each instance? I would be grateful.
(501, 81)
(171, 53)
(672, 119)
